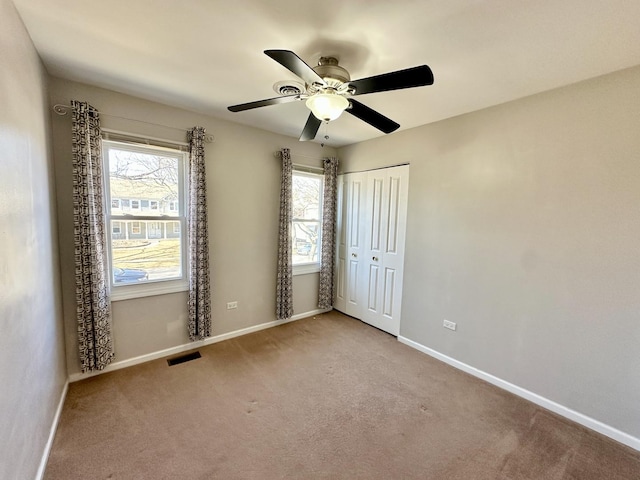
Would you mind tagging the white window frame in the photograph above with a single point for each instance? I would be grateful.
(153, 287)
(310, 267)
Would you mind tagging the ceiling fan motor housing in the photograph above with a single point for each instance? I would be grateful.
(332, 73)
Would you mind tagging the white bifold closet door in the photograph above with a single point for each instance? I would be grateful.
(372, 216)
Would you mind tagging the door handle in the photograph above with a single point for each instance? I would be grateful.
(354, 255)
(375, 259)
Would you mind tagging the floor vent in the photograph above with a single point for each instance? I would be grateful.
(183, 358)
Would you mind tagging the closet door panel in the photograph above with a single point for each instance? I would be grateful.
(373, 290)
(395, 208)
(386, 221)
(355, 190)
(373, 215)
(389, 289)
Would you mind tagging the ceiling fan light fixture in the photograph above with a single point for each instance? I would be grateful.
(327, 106)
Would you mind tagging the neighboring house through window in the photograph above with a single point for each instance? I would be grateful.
(145, 257)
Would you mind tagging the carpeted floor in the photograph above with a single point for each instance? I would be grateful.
(322, 398)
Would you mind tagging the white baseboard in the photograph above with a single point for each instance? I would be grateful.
(74, 377)
(52, 433)
(566, 412)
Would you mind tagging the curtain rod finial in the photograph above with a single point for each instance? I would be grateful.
(61, 109)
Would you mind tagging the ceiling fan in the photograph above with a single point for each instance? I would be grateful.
(329, 91)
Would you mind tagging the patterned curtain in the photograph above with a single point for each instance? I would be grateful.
(199, 284)
(284, 289)
(325, 292)
(93, 309)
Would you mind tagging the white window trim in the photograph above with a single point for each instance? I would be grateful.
(311, 267)
(161, 287)
(306, 268)
(153, 287)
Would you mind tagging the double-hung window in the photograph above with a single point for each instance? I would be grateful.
(147, 254)
(306, 225)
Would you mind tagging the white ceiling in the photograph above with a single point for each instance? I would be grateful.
(205, 55)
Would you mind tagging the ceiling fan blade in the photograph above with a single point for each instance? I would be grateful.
(372, 117)
(264, 103)
(310, 128)
(294, 63)
(411, 77)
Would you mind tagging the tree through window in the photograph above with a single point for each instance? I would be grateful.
(307, 217)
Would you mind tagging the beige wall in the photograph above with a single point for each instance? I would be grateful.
(524, 228)
(32, 365)
(243, 178)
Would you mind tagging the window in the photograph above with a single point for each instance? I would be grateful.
(143, 259)
(176, 227)
(306, 221)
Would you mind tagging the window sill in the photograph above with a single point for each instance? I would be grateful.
(306, 269)
(128, 292)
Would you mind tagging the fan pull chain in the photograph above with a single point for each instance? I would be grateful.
(326, 134)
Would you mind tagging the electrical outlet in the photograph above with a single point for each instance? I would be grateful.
(232, 305)
(449, 325)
